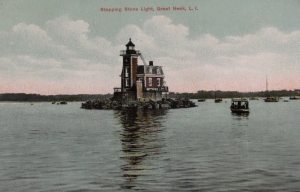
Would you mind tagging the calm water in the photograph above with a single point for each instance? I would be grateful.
(45, 147)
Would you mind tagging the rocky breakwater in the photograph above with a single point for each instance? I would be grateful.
(164, 104)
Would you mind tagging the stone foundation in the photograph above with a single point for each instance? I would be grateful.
(150, 104)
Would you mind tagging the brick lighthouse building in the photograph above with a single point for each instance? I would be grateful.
(139, 82)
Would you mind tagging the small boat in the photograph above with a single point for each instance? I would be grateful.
(53, 102)
(294, 97)
(271, 99)
(201, 100)
(63, 102)
(239, 105)
(218, 100)
(268, 97)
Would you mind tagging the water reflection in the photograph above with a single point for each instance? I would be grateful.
(240, 116)
(239, 120)
(141, 139)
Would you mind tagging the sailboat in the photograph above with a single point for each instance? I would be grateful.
(268, 97)
(217, 100)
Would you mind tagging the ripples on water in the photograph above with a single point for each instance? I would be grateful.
(46, 147)
(141, 141)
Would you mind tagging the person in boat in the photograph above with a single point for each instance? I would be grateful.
(232, 105)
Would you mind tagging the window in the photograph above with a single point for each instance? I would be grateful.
(126, 72)
(158, 82)
(150, 70)
(150, 82)
(158, 71)
(126, 82)
(126, 60)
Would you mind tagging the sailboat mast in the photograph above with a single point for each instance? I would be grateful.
(215, 93)
(267, 83)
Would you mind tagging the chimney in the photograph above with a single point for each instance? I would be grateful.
(150, 63)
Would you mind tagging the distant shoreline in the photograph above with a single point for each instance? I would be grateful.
(24, 97)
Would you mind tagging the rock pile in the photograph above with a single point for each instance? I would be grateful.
(163, 104)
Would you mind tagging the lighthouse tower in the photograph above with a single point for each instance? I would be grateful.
(139, 82)
(129, 71)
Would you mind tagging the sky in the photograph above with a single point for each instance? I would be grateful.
(72, 47)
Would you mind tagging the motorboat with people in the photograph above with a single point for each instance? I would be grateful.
(239, 105)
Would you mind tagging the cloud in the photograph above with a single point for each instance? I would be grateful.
(66, 30)
(205, 61)
(75, 36)
(62, 57)
(160, 27)
(29, 39)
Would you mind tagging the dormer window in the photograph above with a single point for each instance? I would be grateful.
(158, 71)
(150, 70)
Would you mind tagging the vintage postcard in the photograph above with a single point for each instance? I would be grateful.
(173, 95)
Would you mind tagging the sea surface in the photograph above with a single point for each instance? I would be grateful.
(45, 147)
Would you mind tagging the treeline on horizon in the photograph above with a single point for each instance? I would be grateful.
(23, 97)
(233, 94)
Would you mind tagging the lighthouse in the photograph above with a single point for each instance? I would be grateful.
(139, 82)
(129, 68)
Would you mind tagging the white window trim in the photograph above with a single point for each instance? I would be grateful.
(158, 82)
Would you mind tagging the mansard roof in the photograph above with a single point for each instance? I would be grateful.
(156, 70)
